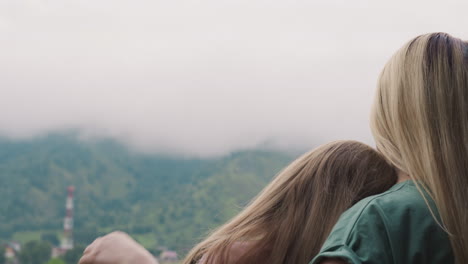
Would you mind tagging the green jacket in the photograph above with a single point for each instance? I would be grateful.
(395, 227)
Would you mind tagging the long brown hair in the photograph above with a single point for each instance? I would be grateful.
(420, 124)
(290, 219)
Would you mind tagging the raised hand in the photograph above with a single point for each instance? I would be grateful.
(116, 248)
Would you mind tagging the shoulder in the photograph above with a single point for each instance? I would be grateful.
(384, 208)
(373, 212)
(400, 201)
(401, 195)
(384, 227)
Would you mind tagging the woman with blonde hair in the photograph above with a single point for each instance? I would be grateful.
(420, 124)
(288, 221)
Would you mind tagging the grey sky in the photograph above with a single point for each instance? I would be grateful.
(204, 77)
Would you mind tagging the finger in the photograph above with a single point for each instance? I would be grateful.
(87, 259)
(118, 234)
(92, 255)
(88, 249)
(93, 245)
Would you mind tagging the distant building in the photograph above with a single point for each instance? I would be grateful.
(58, 251)
(15, 245)
(168, 256)
(11, 251)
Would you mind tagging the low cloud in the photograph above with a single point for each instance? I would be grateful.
(203, 78)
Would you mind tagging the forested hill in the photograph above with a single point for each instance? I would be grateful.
(162, 201)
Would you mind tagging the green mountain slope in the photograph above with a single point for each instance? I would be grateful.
(162, 201)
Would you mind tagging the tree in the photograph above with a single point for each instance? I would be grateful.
(50, 237)
(35, 252)
(86, 235)
(73, 255)
(56, 261)
(2, 255)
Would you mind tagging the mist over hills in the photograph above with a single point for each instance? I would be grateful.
(160, 200)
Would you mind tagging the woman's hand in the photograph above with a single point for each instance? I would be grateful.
(116, 248)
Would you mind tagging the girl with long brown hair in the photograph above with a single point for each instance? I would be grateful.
(288, 221)
(291, 218)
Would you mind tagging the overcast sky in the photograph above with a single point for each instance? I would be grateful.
(204, 77)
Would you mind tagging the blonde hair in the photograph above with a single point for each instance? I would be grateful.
(420, 123)
(291, 218)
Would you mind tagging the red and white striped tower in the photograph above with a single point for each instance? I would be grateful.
(67, 242)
